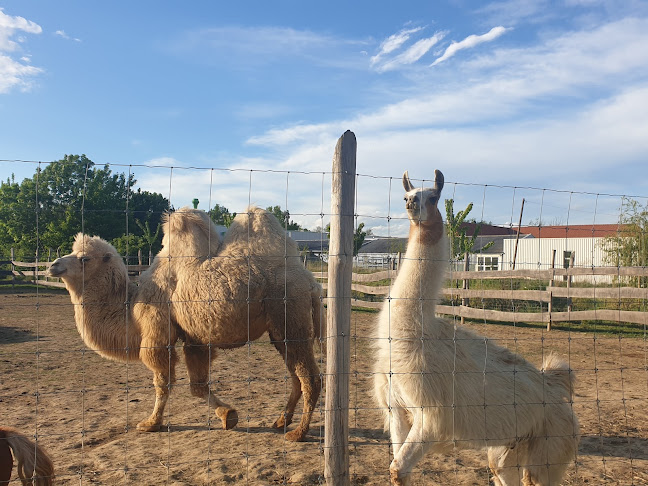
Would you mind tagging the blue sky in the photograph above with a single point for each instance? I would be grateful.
(501, 96)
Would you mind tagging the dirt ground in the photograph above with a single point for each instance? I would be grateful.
(85, 409)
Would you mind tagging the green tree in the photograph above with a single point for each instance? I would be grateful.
(284, 218)
(358, 236)
(460, 244)
(68, 196)
(221, 215)
(629, 247)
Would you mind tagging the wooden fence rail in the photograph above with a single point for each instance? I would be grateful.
(547, 295)
(36, 273)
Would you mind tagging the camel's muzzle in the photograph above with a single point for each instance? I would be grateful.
(55, 269)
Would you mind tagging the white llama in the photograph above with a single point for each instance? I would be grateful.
(442, 386)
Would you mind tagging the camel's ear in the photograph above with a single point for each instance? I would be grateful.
(438, 181)
(106, 257)
(406, 182)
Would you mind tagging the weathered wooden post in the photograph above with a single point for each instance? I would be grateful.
(569, 281)
(13, 268)
(465, 302)
(551, 284)
(338, 300)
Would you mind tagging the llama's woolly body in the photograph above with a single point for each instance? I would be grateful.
(443, 386)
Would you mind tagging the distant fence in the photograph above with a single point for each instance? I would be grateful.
(13, 272)
(606, 296)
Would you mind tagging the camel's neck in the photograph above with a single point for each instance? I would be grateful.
(104, 319)
(423, 269)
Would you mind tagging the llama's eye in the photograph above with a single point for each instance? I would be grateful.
(84, 259)
(405, 198)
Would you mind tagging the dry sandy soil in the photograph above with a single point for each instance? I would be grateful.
(85, 409)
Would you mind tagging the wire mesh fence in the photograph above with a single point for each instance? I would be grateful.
(75, 382)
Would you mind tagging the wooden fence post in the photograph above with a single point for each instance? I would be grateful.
(13, 269)
(464, 300)
(551, 284)
(569, 281)
(338, 344)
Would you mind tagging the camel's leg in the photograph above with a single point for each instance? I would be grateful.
(300, 361)
(417, 443)
(198, 357)
(285, 419)
(162, 361)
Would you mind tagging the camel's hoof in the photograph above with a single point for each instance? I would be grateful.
(283, 421)
(228, 417)
(296, 435)
(148, 426)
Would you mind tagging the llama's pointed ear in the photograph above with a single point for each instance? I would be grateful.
(407, 184)
(438, 181)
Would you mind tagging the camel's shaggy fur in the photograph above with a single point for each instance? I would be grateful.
(34, 465)
(210, 295)
(254, 284)
(443, 386)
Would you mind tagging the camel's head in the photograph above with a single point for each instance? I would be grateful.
(90, 254)
(422, 203)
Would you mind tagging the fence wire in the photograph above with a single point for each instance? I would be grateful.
(569, 276)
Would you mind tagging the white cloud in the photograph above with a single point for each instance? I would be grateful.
(8, 27)
(249, 47)
(393, 42)
(15, 72)
(470, 42)
(511, 12)
(558, 114)
(61, 33)
(412, 54)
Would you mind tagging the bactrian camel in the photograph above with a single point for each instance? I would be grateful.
(209, 294)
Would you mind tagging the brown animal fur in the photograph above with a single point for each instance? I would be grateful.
(256, 283)
(34, 465)
(197, 290)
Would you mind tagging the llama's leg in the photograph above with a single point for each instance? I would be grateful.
(417, 443)
(399, 427)
(507, 465)
(198, 357)
(160, 359)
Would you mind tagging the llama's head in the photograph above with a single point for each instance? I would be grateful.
(421, 203)
(92, 258)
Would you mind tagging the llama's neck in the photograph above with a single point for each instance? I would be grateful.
(104, 319)
(423, 269)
